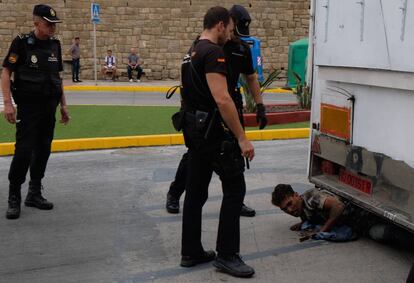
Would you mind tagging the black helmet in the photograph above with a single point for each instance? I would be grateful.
(242, 20)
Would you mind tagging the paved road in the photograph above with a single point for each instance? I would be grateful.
(149, 98)
(109, 225)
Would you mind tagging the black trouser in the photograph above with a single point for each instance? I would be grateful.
(75, 69)
(34, 134)
(201, 164)
(138, 69)
(177, 187)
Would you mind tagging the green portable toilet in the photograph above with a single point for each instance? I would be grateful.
(298, 52)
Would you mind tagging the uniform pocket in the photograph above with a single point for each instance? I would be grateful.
(193, 137)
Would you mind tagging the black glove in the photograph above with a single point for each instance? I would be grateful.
(261, 115)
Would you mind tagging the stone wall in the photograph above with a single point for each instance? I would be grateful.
(162, 30)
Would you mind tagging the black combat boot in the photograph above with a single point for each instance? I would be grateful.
(247, 211)
(189, 261)
(34, 197)
(233, 265)
(173, 204)
(13, 211)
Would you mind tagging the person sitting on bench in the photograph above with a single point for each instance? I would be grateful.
(110, 65)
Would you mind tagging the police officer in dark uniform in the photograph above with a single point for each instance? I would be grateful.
(216, 142)
(35, 59)
(239, 61)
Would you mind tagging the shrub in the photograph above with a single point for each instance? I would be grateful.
(302, 92)
(248, 98)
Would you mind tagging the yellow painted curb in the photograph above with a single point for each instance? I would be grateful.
(282, 134)
(140, 88)
(151, 140)
(116, 88)
(279, 90)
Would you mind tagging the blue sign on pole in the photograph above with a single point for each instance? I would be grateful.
(95, 11)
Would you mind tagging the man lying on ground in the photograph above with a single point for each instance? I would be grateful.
(316, 207)
(333, 219)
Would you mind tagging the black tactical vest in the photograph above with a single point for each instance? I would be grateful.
(38, 76)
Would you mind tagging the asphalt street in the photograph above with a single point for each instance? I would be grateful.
(109, 225)
(148, 98)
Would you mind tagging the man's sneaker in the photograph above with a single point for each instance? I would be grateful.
(78, 80)
(34, 198)
(138, 81)
(173, 204)
(189, 261)
(130, 80)
(247, 211)
(13, 211)
(233, 265)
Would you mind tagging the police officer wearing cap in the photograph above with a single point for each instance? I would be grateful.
(216, 143)
(35, 60)
(239, 61)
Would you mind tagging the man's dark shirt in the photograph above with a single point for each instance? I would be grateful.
(36, 65)
(239, 61)
(17, 55)
(206, 57)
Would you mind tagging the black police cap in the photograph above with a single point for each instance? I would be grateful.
(243, 20)
(46, 12)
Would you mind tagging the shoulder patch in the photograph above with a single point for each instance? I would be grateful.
(221, 60)
(13, 58)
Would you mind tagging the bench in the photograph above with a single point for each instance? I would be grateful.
(123, 73)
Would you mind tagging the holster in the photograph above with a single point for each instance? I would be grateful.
(178, 119)
(230, 162)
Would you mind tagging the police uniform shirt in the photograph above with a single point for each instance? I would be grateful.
(206, 57)
(36, 65)
(239, 60)
(17, 54)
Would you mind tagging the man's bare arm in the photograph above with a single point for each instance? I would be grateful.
(254, 88)
(9, 111)
(218, 87)
(335, 209)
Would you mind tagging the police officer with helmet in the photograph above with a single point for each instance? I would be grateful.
(216, 142)
(35, 60)
(239, 61)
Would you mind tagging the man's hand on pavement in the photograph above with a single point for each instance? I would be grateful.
(296, 227)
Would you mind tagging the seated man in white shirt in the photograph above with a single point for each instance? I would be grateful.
(110, 65)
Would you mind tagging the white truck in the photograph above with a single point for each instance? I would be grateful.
(361, 66)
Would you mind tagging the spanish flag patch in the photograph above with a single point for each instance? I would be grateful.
(13, 58)
(221, 60)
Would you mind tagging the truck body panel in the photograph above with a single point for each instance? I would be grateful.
(362, 105)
